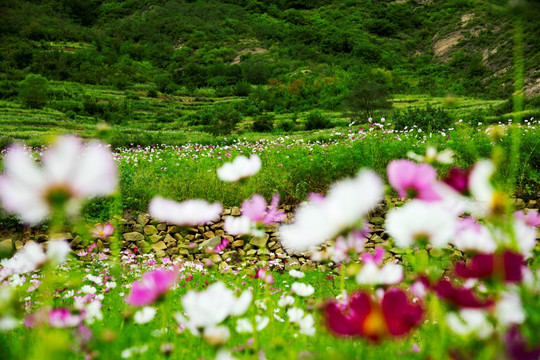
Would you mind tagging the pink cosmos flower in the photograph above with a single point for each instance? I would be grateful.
(507, 267)
(413, 180)
(70, 173)
(364, 316)
(531, 218)
(261, 274)
(102, 231)
(255, 210)
(189, 212)
(458, 179)
(219, 247)
(151, 287)
(61, 318)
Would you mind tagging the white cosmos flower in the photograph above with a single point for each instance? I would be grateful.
(70, 173)
(296, 274)
(286, 301)
(57, 251)
(9, 323)
(25, 260)
(245, 325)
(240, 168)
(306, 323)
(242, 225)
(374, 275)
(302, 289)
(323, 219)
(470, 322)
(189, 212)
(418, 219)
(525, 236)
(509, 310)
(472, 236)
(210, 307)
(444, 157)
(145, 315)
(216, 335)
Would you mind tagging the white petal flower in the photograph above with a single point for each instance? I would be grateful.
(216, 335)
(302, 289)
(509, 310)
(57, 251)
(373, 275)
(418, 219)
(296, 274)
(25, 260)
(145, 315)
(8, 323)
(345, 205)
(240, 168)
(286, 301)
(189, 212)
(472, 236)
(470, 322)
(70, 173)
(210, 307)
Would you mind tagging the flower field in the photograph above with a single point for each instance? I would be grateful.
(457, 277)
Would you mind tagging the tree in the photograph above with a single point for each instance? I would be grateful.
(33, 91)
(368, 91)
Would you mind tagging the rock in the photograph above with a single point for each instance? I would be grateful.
(160, 245)
(209, 235)
(76, 241)
(64, 236)
(237, 243)
(260, 241)
(6, 247)
(137, 228)
(376, 239)
(18, 245)
(263, 251)
(220, 233)
(520, 204)
(235, 211)
(183, 252)
(216, 259)
(133, 236)
(154, 222)
(174, 229)
(162, 227)
(226, 212)
(210, 243)
(150, 230)
(233, 256)
(44, 238)
(142, 220)
(161, 254)
(169, 240)
(376, 220)
(155, 238)
(251, 252)
(218, 225)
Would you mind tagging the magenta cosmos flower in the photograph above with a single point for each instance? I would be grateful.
(70, 173)
(413, 180)
(363, 316)
(507, 267)
(152, 286)
(461, 297)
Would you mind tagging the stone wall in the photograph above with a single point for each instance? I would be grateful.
(147, 235)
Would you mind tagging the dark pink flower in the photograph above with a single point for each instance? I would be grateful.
(152, 286)
(219, 247)
(506, 267)
(413, 180)
(517, 347)
(363, 316)
(460, 296)
(458, 179)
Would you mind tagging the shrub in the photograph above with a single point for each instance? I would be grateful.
(429, 119)
(225, 119)
(317, 120)
(152, 93)
(242, 88)
(263, 123)
(33, 91)
(286, 126)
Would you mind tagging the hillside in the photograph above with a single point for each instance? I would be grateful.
(460, 47)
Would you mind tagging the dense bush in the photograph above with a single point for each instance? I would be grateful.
(428, 120)
(263, 123)
(225, 119)
(317, 120)
(33, 91)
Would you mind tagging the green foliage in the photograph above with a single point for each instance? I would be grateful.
(428, 120)
(263, 123)
(33, 91)
(317, 120)
(368, 91)
(225, 119)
